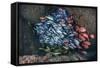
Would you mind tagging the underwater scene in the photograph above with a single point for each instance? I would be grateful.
(56, 34)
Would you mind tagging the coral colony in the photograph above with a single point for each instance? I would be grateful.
(59, 28)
